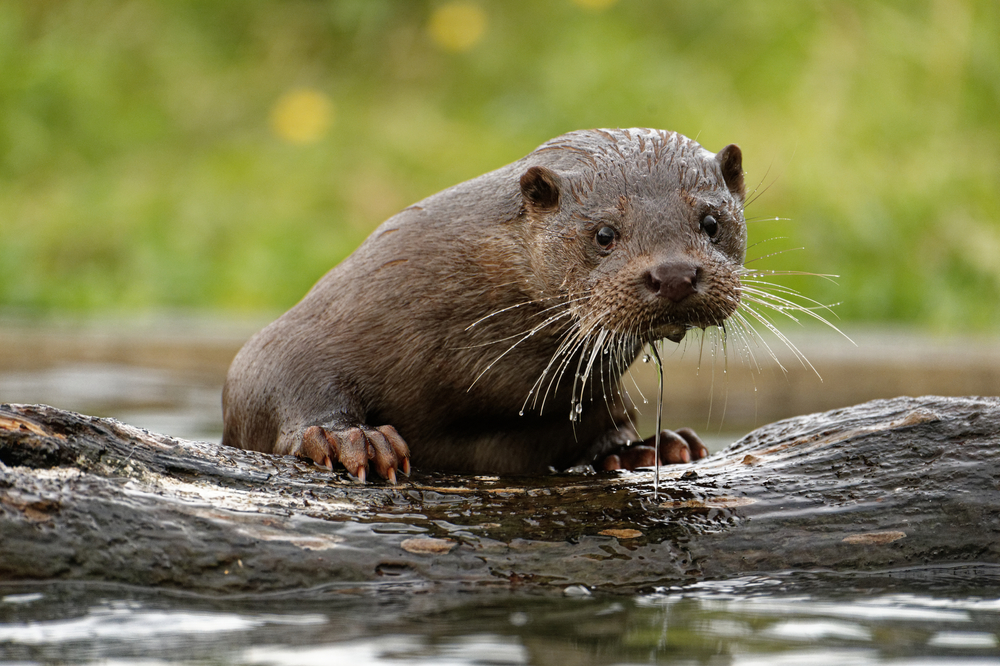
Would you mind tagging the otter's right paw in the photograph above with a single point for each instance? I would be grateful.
(354, 447)
(683, 446)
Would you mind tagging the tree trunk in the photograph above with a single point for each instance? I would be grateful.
(893, 484)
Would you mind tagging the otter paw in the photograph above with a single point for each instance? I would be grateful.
(355, 447)
(681, 446)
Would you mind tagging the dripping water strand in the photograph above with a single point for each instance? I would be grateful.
(659, 421)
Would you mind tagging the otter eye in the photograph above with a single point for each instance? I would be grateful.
(605, 237)
(710, 225)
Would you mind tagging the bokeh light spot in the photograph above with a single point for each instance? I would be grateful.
(457, 26)
(595, 5)
(302, 116)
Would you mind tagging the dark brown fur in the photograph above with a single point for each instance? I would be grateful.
(424, 327)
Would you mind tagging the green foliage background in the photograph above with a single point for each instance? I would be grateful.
(138, 169)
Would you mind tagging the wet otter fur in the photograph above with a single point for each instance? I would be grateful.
(485, 328)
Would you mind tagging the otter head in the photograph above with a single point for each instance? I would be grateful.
(642, 231)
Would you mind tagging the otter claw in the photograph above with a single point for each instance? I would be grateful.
(355, 448)
(681, 446)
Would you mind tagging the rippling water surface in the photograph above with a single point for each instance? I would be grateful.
(756, 620)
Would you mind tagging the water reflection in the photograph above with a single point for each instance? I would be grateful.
(162, 373)
(161, 401)
(742, 625)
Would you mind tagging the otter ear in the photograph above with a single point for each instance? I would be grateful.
(730, 159)
(540, 187)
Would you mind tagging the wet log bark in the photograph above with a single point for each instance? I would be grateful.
(892, 485)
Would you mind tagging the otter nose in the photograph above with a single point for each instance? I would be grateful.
(674, 280)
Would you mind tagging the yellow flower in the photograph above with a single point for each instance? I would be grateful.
(302, 116)
(596, 5)
(457, 26)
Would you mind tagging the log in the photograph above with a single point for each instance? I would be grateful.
(889, 485)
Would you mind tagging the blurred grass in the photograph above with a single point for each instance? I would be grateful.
(143, 164)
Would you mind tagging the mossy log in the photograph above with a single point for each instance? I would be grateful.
(888, 485)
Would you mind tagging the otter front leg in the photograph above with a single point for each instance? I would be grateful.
(681, 446)
(353, 447)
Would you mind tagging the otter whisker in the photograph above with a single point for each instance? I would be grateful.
(722, 335)
(776, 307)
(564, 311)
(527, 335)
(757, 273)
(779, 288)
(531, 331)
(748, 339)
(574, 340)
(528, 302)
(780, 303)
(572, 345)
(787, 307)
(714, 344)
(776, 293)
(635, 383)
(576, 375)
(590, 356)
(753, 196)
(616, 367)
(781, 336)
(770, 289)
(609, 361)
(744, 334)
(761, 242)
(776, 253)
(701, 350)
(596, 347)
(628, 343)
(758, 340)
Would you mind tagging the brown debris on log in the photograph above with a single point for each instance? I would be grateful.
(893, 484)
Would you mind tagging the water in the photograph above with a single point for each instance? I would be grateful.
(753, 620)
(158, 400)
(933, 616)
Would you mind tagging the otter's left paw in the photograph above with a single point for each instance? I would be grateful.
(354, 447)
(682, 446)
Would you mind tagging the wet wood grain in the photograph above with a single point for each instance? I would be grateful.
(884, 486)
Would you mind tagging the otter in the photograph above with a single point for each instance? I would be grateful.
(485, 329)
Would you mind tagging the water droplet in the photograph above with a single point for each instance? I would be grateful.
(579, 408)
(521, 413)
